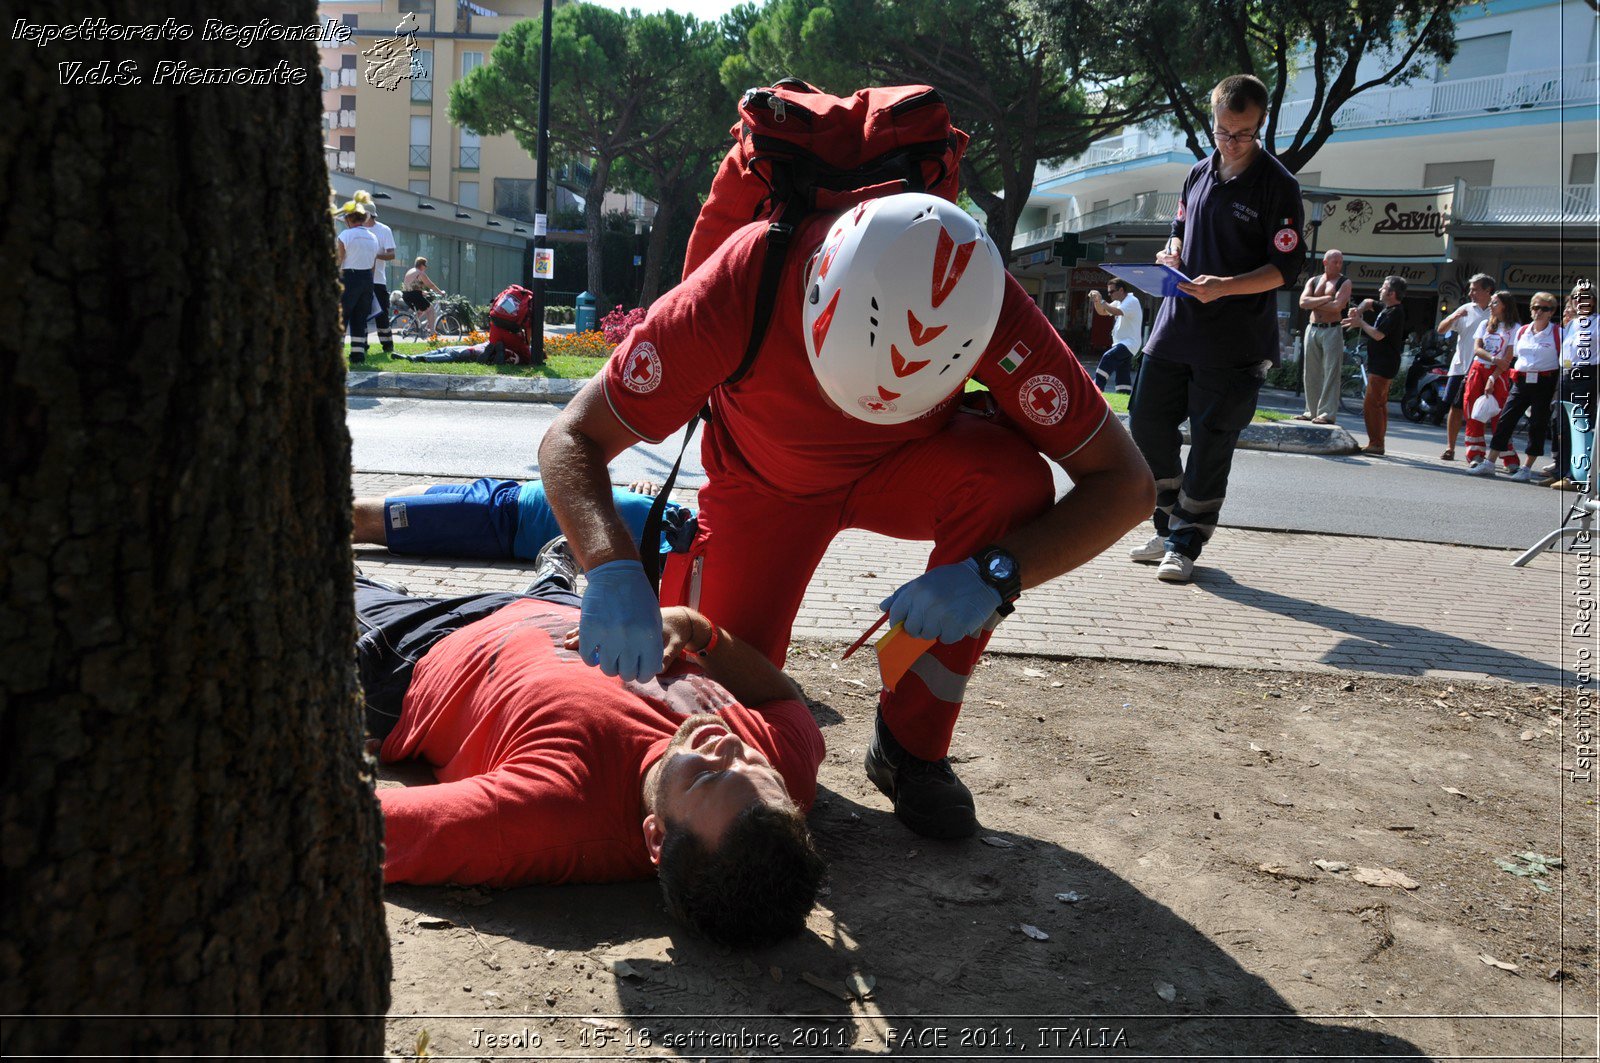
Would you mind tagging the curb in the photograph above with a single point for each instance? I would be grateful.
(450, 386)
(1296, 438)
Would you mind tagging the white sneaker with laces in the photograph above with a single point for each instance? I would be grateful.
(1483, 468)
(1175, 568)
(1522, 475)
(1152, 551)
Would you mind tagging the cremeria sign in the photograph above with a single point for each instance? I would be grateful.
(1405, 225)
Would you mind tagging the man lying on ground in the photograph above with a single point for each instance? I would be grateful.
(551, 772)
(497, 519)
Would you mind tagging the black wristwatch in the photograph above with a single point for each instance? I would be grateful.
(999, 569)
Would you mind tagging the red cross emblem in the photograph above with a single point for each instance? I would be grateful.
(1044, 399)
(877, 403)
(642, 371)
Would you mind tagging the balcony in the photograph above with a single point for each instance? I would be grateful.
(468, 158)
(1521, 90)
(342, 161)
(421, 91)
(421, 155)
(1529, 205)
(1550, 87)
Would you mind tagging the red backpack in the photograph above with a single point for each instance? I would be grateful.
(512, 308)
(797, 151)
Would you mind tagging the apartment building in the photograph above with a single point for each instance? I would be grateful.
(463, 200)
(1500, 143)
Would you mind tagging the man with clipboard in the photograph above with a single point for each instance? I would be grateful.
(1237, 236)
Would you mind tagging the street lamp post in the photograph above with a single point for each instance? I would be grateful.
(1319, 211)
(541, 186)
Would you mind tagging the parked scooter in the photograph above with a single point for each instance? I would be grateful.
(1426, 380)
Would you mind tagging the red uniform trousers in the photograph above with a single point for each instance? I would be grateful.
(964, 488)
(1479, 381)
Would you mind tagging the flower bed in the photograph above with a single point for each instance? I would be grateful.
(579, 345)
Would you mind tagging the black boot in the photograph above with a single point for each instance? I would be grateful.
(927, 796)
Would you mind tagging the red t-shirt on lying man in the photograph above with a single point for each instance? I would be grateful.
(540, 759)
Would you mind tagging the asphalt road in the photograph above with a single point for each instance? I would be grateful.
(1410, 494)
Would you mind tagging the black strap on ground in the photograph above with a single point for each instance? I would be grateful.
(777, 249)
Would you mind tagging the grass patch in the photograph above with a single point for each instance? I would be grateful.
(574, 367)
(557, 366)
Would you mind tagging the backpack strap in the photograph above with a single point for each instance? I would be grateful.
(779, 233)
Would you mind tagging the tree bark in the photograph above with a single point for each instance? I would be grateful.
(594, 226)
(190, 840)
(656, 249)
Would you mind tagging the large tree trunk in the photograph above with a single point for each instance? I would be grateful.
(189, 827)
(594, 226)
(656, 249)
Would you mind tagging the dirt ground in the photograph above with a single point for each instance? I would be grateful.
(1142, 886)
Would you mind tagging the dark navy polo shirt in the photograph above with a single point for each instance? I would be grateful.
(1229, 228)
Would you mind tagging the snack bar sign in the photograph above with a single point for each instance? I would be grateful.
(1395, 226)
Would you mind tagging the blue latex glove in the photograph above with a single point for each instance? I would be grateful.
(947, 603)
(619, 630)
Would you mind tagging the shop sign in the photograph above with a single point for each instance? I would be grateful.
(1372, 274)
(1543, 276)
(1089, 277)
(1390, 226)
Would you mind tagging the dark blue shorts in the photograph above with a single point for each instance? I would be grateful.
(455, 520)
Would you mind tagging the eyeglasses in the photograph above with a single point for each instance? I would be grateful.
(1544, 310)
(1234, 138)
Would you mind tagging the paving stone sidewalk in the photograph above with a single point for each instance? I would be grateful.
(1259, 599)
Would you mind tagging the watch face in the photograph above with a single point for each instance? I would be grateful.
(1002, 566)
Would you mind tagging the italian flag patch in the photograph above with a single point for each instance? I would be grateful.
(1011, 362)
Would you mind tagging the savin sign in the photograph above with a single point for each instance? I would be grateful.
(1392, 226)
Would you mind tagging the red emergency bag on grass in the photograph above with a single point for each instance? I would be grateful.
(797, 151)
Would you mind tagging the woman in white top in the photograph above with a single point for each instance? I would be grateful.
(1491, 347)
(1537, 349)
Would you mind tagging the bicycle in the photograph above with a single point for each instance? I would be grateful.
(1353, 381)
(413, 324)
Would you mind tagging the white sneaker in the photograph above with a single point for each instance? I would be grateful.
(1483, 468)
(1522, 475)
(1150, 552)
(1175, 568)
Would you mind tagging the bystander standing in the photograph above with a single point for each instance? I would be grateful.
(1325, 296)
(1463, 323)
(1127, 335)
(1385, 335)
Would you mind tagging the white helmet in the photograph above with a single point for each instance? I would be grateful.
(899, 305)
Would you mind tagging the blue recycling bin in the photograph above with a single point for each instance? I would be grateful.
(585, 320)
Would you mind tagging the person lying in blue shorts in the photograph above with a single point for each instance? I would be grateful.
(497, 519)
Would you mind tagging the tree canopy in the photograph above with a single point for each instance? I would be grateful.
(1314, 48)
(617, 87)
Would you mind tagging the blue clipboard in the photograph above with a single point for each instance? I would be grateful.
(1151, 278)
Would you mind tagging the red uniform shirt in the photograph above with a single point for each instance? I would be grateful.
(774, 427)
(540, 758)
